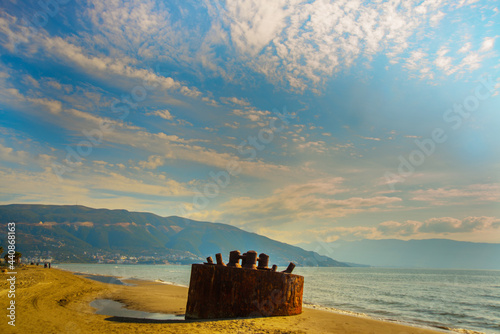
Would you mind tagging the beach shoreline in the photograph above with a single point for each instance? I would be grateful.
(56, 297)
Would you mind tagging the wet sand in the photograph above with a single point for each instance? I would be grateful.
(57, 301)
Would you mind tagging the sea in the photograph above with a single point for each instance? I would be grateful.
(446, 299)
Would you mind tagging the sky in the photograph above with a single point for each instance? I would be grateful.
(303, 121)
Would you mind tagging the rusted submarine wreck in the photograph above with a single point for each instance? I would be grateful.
(235, 290)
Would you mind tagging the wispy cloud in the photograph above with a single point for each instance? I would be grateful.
(153, 162)
(439, 227)
(165, 114)
(448, 195)
(235, 100)
(442, 225)
(310, 201)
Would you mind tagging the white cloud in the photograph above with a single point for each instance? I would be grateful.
(371, 138)
(443, 62)
(165, 114)
(77, 120)
(8, 154)
(14, 97)
(323, 38)
(154, 161)
(88, 60)
(234, 125)
(251, 113)
(311, 201)
(254, 23)
(408, 228)
(314, 146)
(487, 44)
(235, 100)
(79, 188)
(463, 3)
(28, 80)
(10, 33)
(475, 192)
(465, 60)
(102, 65)
(437, 18)
(440, 226)
(418, 62)
(53, 106)
(465, 48)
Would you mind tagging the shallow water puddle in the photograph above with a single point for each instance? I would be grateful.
(104, 279)
(117, 309)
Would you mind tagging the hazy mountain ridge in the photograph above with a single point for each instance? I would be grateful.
(74, 229)
(425, 253)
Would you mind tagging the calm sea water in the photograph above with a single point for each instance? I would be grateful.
(468, 299)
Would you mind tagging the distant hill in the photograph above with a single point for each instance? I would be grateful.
(429, 253)
(74, 233)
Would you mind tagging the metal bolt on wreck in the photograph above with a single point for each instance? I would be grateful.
(217, 290)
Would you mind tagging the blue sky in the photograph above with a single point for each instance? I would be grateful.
(299, 120)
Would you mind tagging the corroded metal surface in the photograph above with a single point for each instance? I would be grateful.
(217, 291)
(218, 256)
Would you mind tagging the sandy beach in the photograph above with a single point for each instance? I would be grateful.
(57, 301)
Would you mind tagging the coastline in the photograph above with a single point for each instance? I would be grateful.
(57, 300)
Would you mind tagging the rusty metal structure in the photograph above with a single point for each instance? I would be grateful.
(217, 290)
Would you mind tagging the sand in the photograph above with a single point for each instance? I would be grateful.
(57, 301)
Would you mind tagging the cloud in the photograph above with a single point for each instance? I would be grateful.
(106, 189)
(444, 63)
(77, 120)
(429, 64)
(251, 113)
(314, 146)
(165, 114)
(234, 125)
(472, 193)
(86, 58)
(312, 201)
(154, 161)
(465, 48)
(254, 23)
(371, 138)
(8, 154)
(440, 226)
(418, 62)
(437, 18)
(28, 80)
(102, 65)
(14, 97)
(110, 181)
(487, 44)
(407, 228)
(53, 106)
(463, 3)
(323, 38)
(235, 100)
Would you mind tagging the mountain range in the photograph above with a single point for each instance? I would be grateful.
(77, 233)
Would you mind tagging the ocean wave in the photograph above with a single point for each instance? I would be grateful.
(335, 310)
(463, 331)
(169, 283)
